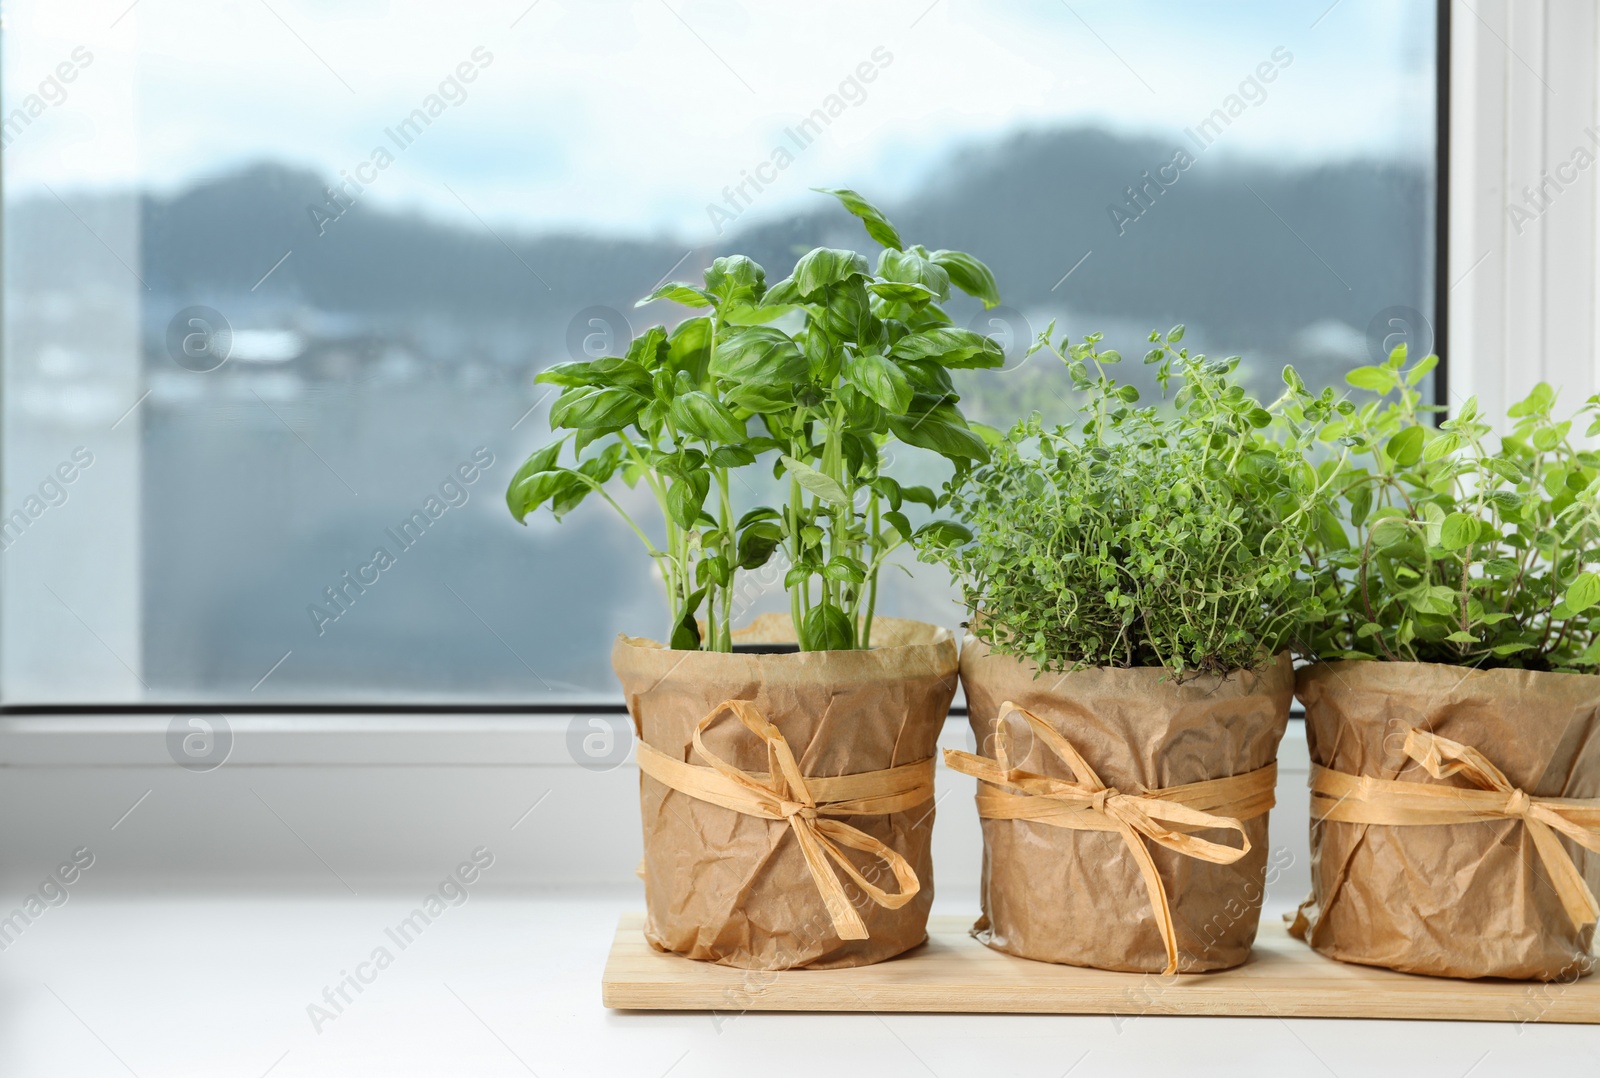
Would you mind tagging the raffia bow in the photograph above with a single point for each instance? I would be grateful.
(1346, 798)
(806, 804)
(1090, 805)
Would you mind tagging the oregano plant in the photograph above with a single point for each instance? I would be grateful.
(1168, 535)
(1452, 545)
(811, 376)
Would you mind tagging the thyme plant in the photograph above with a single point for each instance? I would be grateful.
(1456, 547)
(812, 376)
(1167, 537)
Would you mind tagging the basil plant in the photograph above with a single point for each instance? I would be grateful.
(812, 377)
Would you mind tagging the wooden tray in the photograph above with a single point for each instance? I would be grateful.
(953, 972)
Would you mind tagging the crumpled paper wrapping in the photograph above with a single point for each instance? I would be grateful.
(734, 889)
(1077, 897)
(1454, 900)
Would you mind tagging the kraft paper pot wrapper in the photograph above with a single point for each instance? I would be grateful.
(731, 888)
(1078, 897)
(1461, 899)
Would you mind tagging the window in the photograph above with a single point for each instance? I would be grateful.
(278, 278)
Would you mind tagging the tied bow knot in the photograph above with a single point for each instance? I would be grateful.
(1518, 804)
(1346, 798)
(807, 804)
(1088, 804)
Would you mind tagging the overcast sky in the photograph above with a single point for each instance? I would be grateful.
(632, 115)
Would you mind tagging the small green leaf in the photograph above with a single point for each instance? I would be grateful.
(970, 275)
(878, 226)
(942, 533)
(879, 378)
(823, 486)
(678, 292)
(1458, 531)
(844, 570)
(1405, 448)
(1377, 379)
(1420, 370)
(703, 416)
(827, 628)
(900, 523)
(826, 266)
(1583, 592)
(731, 456)
(757, 541)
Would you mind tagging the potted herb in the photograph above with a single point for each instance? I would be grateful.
(1458, 691)
(787, 798)
(1133, 585)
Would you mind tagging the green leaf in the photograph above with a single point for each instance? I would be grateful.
(970, 275)
(686, 496)
(827, 628)
(950, 347)
(1421, 369)
(900, 523)
(1390, 530)
(910, 267)
(736, 279)
(1583, 592)
(1377, 379)
(943, 533)
(678, 292)
(946, 439)
(731, 456)
(879, 379)
(1459, 530)
(1405, 448)
(902, 292)
(844, 570)
(1175, 334)
(1441, 447)
(816, 482)
(763, 512)
(760, 355)
(757, 542)
(703, 416)
(921, 495)
(1461, 637)
(878, 226)
(826, 266)
(744, 315)
(578, 409)
(689, 347)
(1537, 402)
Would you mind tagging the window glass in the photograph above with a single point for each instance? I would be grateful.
(278, 278)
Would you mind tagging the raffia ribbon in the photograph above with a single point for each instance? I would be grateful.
(807, 803)
(1345, 798)
(1090, 805)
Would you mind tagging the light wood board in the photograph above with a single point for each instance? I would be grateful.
(955, 973)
